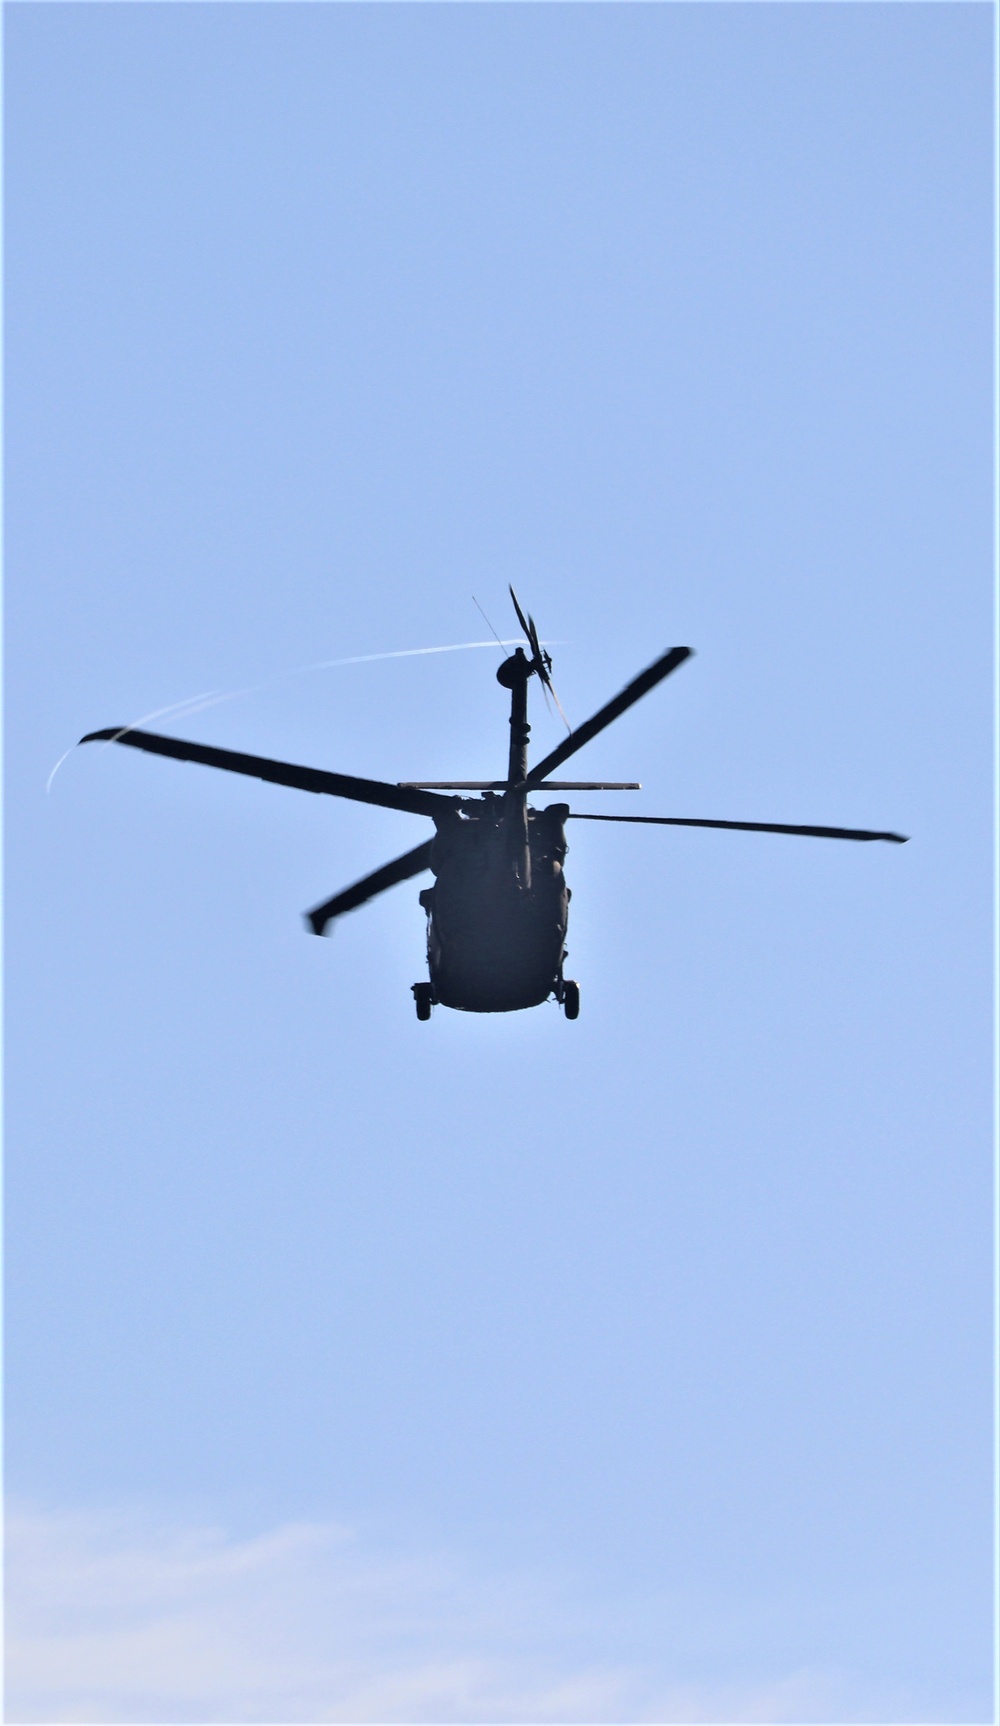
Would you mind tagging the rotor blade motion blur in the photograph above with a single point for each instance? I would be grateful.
(409, 799)
(541, 661)
(612, 710)
(411, 863)
(748, 827)
(522, 620)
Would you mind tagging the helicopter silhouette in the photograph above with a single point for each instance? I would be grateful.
(497, 913)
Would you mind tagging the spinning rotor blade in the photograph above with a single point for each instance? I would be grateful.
(749, 827)
(408, 798)
(543, 664)
(522, 620)
(541, 661)
(632, 692)
(412, 863)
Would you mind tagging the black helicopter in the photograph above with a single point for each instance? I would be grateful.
(498, 909)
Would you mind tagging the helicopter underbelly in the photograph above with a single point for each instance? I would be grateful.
(495, 951)
(497, 912)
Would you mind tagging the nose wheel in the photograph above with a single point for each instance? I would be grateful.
(424, 998)
(571, 999)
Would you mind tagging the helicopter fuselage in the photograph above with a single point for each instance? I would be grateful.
(498, 909)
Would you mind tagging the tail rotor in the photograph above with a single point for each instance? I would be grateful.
(541, 662)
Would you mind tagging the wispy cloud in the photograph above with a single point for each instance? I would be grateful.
(118, 1617)
(214, 698)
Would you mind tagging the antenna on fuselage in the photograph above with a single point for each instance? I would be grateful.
(490, 627)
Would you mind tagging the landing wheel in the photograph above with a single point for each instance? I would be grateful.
(571, 999)
(424, 999)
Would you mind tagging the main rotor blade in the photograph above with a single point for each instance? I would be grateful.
(748, 827)
(632, 692)
(408, 798)
(504, 785)
(412, 863)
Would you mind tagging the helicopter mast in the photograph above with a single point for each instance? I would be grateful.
(514, 674)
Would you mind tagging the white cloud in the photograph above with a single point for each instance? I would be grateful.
(124, 1618)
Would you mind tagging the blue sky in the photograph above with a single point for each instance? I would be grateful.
(632, 1368)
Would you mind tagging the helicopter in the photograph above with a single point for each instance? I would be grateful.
(498, 910)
